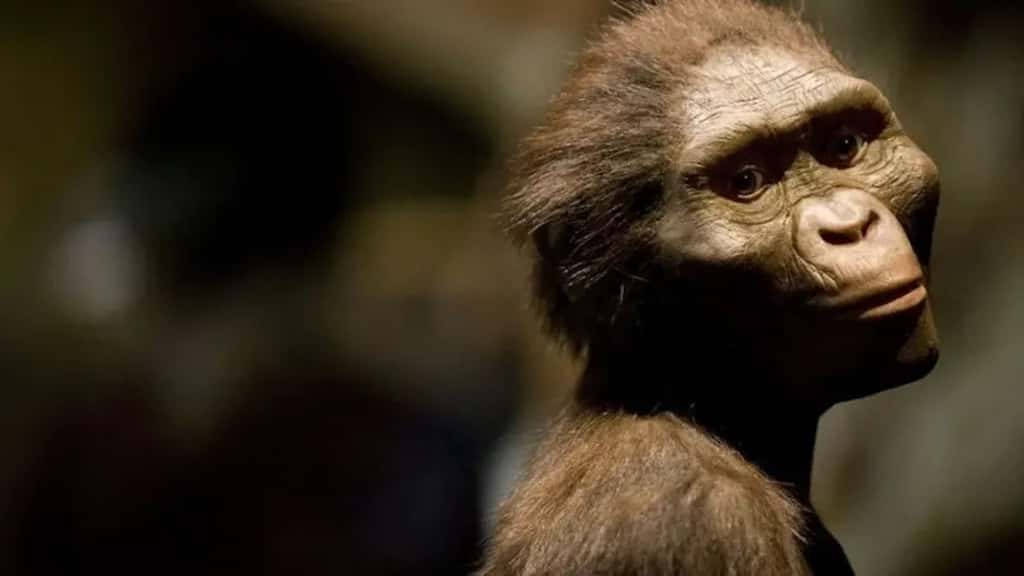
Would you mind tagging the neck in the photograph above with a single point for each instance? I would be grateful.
(745, 411)
(738, 404)
(778, 441)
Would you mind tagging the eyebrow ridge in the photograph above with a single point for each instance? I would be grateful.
(725, 138)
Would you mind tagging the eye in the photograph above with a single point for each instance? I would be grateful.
(746, 183)
(843, 147)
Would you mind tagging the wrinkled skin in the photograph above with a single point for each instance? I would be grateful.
(734, 231)
(825, 235)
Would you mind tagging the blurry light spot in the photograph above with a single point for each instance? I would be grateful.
(97, 270)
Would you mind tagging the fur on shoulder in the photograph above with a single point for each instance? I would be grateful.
(618, 493)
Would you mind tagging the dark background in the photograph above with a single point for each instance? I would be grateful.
(257, 314)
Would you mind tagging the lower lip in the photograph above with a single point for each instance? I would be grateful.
(903, 303)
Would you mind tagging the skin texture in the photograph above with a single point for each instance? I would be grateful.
(733, 230)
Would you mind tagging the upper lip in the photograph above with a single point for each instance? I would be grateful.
(861, 302)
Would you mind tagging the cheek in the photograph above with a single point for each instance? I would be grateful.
(903, 176)
(682, 240)
(705, 235)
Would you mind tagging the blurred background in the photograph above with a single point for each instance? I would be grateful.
(258, 315)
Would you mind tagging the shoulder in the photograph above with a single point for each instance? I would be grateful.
(624, 494)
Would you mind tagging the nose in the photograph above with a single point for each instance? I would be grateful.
(846, 225)
(844, 218)
(853, 240)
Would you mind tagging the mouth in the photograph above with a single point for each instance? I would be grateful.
(883, 302)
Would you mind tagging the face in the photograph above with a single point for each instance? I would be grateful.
(800, 192)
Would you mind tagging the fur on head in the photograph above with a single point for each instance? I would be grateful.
(584, 183)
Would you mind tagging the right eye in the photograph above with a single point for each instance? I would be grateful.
(843, 147)
(746, 183)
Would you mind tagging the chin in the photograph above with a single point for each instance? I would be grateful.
(918, 354)
(899, 354)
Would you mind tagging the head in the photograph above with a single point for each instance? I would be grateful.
(714, 192)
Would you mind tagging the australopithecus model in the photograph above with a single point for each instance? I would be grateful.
(733, 231)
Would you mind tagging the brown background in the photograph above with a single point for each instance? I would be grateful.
(257, 315)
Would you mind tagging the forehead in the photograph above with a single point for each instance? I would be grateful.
(747, 72)
(762, 89)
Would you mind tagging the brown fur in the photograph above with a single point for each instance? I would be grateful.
(620, 494)
(623, 485)
(597, 163)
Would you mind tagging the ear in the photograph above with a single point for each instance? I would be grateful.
(553, 243)
(555, 297)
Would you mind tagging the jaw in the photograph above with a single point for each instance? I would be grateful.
(914, 357)
(848, 359)
(801, 360)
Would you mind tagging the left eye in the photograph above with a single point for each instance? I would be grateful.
(746, 183)
(844, 147)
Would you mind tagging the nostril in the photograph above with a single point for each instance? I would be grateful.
(869, 224)
(839, 237)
